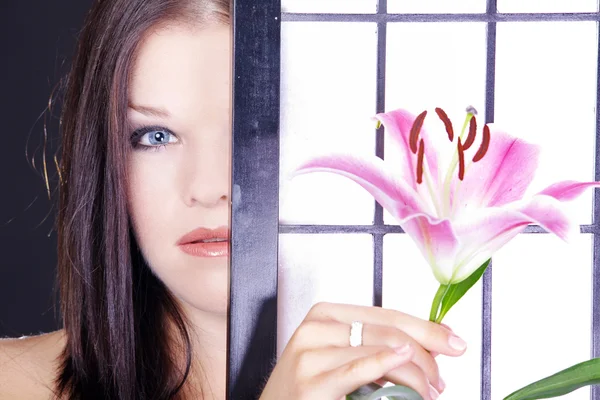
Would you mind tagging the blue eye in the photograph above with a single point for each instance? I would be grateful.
(152, 138)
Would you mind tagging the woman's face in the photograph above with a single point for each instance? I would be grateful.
(179, 168)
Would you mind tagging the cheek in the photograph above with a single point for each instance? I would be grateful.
(158, 220)
(152, 201)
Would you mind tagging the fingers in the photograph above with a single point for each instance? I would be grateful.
(412, 376)
(315, 334)
(392, 337)
(433, 353)
(351, 374)
(318, 333)
(322, 360)
(362, 371)
(431, 336)
(334, 357)
(319, 362)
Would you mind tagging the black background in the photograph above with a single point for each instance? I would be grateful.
(37, 39)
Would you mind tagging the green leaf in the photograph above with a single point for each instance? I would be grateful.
(454, 292)
(396, 393)
(374, 391)
(363, 392)
(561, 383)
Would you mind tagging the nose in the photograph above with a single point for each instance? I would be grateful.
(207, 177)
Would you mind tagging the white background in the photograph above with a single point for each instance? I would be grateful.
(545, 93)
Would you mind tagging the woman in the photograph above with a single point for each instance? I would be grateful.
(143, 234)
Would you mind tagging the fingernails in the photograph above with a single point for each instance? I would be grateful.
(403, 350)
(457, 343)
(441, 384)
(433, 393)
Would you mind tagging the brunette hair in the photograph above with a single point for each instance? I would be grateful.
(114, 309)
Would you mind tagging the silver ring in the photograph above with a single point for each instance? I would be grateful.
(356, 330)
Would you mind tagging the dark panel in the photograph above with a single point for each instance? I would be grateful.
(595, 345)
(37, 39)
(255, 185)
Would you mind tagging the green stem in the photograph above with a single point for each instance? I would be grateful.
(440, 317)
(437, 301)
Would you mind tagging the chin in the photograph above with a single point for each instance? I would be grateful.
(202, 288)
(215, 306)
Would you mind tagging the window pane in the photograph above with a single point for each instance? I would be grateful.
(436, 6)
(325, 267)
(546, 94)
(541, 310)
(409, 286)
(327, 102)
(435, 64)
(551, 6)
(431, 65)
(329, 6)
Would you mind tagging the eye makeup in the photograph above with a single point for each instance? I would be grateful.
(152, 138)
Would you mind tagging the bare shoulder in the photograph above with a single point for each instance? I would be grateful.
(28, 365)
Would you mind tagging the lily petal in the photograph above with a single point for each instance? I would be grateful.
(457, 224)
(373, 175)
(549, 213)
(490, 229)
(436, 240)
(568, 190)
(501, 177)
(397, 125)
(486, 231)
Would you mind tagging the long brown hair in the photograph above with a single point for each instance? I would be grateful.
(114, 309)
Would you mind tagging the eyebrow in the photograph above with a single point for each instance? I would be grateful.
(150, 111)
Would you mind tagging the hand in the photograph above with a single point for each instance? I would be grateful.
(318, 362)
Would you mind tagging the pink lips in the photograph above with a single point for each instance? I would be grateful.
(203, 242)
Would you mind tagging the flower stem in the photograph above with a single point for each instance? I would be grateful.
(437, 301)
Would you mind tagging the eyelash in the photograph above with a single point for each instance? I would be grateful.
(139, 133)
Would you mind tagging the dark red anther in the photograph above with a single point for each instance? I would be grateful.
(472, 132)
(415, 130)
(447, 123)
(461, 160)
(420, 161)
(485, 144)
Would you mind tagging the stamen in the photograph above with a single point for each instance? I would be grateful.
(485, 144)
(415, 130)
(378, 124)
(471, 110)
(461, 160)
(420, 161)
(447, 123)
(472, 132)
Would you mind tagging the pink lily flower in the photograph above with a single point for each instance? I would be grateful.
(457, 214)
